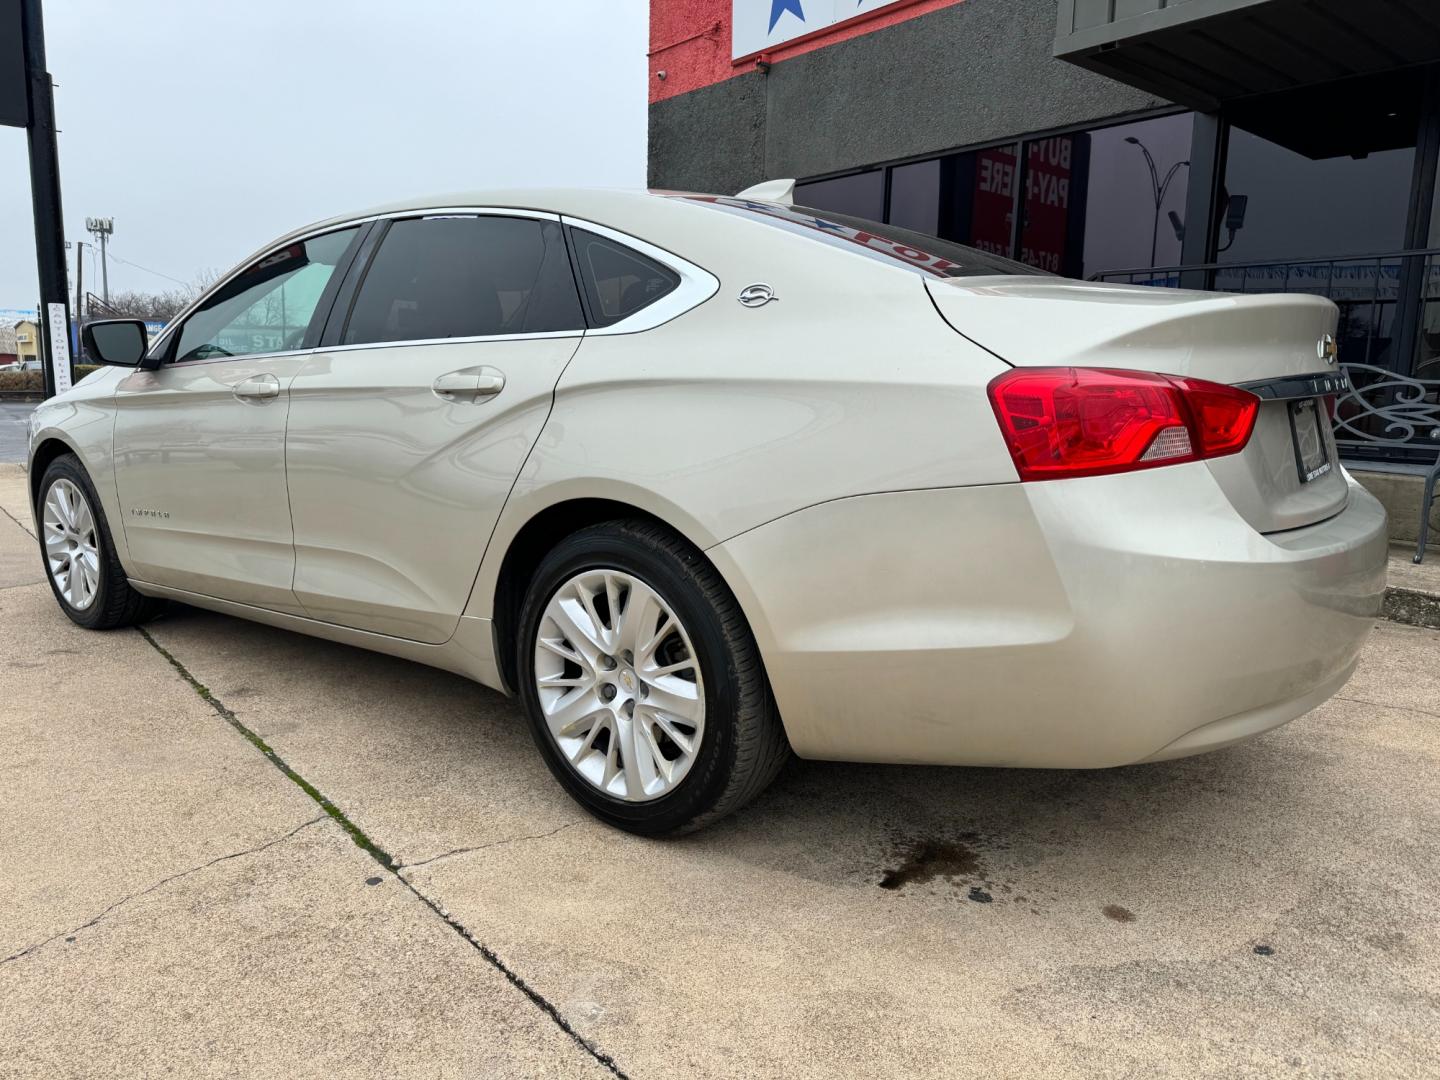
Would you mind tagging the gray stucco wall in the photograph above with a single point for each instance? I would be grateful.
(975, 72)
(711, 139)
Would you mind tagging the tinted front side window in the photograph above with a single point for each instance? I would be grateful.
(269, 306)
(618, 281)
(450, 277)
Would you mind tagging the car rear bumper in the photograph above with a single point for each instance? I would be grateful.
(1072, 624)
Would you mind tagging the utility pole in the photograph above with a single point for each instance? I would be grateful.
(102, 227)
(22, 20)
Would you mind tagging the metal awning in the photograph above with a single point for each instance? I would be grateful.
(1204, 53)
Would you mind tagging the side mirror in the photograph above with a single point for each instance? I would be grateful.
(120, 342)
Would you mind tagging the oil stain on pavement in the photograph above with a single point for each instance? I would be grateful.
(921, 861)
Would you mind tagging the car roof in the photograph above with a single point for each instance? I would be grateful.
(571, 201)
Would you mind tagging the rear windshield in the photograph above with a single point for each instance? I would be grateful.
(888, 243)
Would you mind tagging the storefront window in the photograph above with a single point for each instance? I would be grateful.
(915, 197)
(1297, 207)
(1108, 199)
(861, 195)
(977, 198)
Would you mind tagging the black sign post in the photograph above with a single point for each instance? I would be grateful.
(14, 98)
(31, 105)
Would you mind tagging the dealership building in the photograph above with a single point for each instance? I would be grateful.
(1239, 145)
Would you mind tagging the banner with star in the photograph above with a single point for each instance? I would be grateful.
(758, 25)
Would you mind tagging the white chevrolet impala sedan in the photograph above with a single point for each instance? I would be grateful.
(706, 480)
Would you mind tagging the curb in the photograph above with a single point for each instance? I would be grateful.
(1412, 607)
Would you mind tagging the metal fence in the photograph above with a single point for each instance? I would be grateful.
(1393, 412)
(1368, 289)
(1391, 408)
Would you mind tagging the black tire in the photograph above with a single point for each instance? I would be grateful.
(115, 604)
(742, 745)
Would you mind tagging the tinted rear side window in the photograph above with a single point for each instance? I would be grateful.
(618, 281)
(448, 277)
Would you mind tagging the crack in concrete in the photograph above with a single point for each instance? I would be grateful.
(160, 885)
(1387, 705)
(19, 524)
(22, 585)
(484, 847)
(361, 840)
(375, 852)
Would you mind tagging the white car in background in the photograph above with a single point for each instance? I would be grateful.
(704, 480)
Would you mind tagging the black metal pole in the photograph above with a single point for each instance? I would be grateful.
(45, 189)
(79, 301)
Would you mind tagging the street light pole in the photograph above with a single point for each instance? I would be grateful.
(1158, 190)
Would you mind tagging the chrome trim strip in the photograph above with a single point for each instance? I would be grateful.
(696, 284)
(539, 335)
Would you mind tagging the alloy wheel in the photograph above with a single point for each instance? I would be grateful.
(72, 553)
(619, 685)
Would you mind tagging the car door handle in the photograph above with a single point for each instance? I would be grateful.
(469, 384)
(257, 388)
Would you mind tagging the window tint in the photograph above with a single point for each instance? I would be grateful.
(618, 282)
(1107, 199)
(861, 195)
(1299, 206)
(915, 197)
(269, 306)
(977, 198)
(448, 277)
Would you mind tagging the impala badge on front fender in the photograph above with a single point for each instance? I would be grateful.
(757, 295)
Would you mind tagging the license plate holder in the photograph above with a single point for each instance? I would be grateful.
(1312, 449)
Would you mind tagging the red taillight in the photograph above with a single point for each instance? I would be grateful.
(1087, 421)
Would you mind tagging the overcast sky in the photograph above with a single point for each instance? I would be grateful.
(207, 129)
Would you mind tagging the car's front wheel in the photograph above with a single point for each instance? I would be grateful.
(642, 682)
(80, 561)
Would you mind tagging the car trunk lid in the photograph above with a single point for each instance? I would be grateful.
(1288, 475)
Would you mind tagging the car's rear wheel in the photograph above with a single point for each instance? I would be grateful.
(80, 561)
(642, 682)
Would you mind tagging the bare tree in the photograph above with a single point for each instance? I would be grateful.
(204, 278)
(157, 306)
(133, 304)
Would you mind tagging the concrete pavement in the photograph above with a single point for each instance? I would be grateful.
(1267, 910)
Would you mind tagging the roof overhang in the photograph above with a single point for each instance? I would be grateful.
(1206, 53)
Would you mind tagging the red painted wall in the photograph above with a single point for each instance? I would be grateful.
(690, 41)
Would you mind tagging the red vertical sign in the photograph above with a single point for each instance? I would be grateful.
(994, 205)
(1047, 202)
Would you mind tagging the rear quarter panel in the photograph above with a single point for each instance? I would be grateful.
(728, 417)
